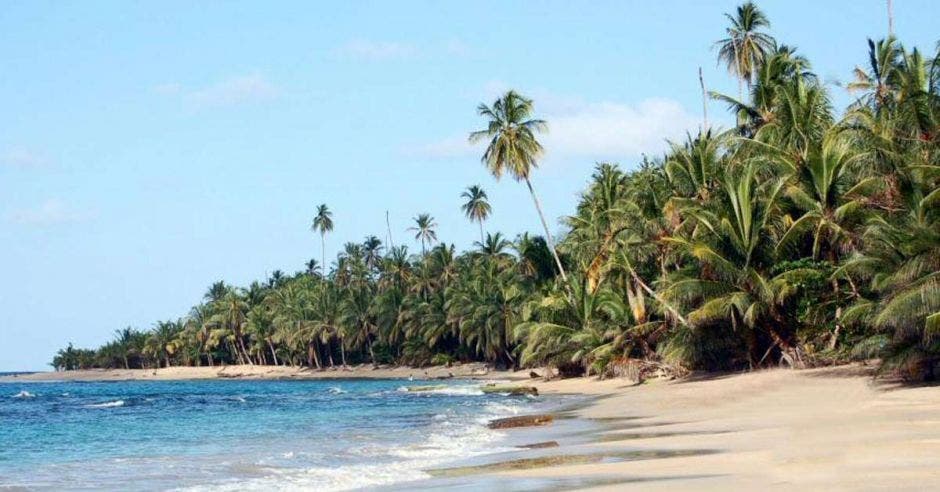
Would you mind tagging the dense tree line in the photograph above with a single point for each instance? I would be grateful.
(798, 237)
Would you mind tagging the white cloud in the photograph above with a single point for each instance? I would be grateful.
(611, 130)
(377, 50)
(49, 212)
(588, 130)
(23, 158)
(456, 146)
(235, 90)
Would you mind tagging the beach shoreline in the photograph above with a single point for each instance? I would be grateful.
(830, 428)
(259, 372)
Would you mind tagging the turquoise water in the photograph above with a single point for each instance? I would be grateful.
(240, 435)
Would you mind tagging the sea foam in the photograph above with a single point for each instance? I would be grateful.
(108, 404)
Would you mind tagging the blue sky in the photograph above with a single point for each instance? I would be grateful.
(148, 149)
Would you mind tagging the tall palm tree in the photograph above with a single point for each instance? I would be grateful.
(477, 207)
(424, 231)
(746, 46)
(513, 148)
(323, 223)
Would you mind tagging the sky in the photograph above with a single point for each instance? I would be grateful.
(148, 149)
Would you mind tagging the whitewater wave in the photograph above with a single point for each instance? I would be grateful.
(451, 437)
(336, 390)
(24, 394)
(107, 404)
(465, 390)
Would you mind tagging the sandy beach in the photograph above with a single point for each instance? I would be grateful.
(822, 429)
(365, 371)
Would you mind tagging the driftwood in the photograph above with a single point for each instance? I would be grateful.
(540, 445)
(511, 390)
(639, 370)
(521, 421)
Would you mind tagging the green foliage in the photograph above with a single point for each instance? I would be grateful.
(794, 238)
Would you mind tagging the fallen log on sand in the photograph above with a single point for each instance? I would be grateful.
(521, 421)
(511, 390)
(540, 445)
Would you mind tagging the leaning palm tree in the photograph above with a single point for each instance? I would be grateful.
(424, 231)
(477, 207)
(514, 149)
(323, 223)
(746, 47)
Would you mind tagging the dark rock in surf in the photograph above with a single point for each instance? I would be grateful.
(521, 421)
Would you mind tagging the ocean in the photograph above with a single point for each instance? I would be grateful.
(242, 435)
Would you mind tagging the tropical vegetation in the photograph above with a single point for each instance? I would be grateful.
(800, 236)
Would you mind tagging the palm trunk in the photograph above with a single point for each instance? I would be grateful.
(233, 350)
(890, 19)
(371, 353)
(548, 235)
(838, 315)
(312, 358)
(482, 239)
(329, 352)
(342, 352)
(642, 284)
(701, 82)
(273, 354)
(323, 254)
(241, 342)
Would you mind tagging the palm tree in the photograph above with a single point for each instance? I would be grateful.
(779, 70)
(372, 251)
(322, 223)
(424, 231)
(276, 279)
(216, 291)
(568, 330)
(513, 148)
(732, 284)
(159, 344)
(230, 316)
(827, 195)
(477, 207)
(746, 46)
(313, 267)
(878, 84)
